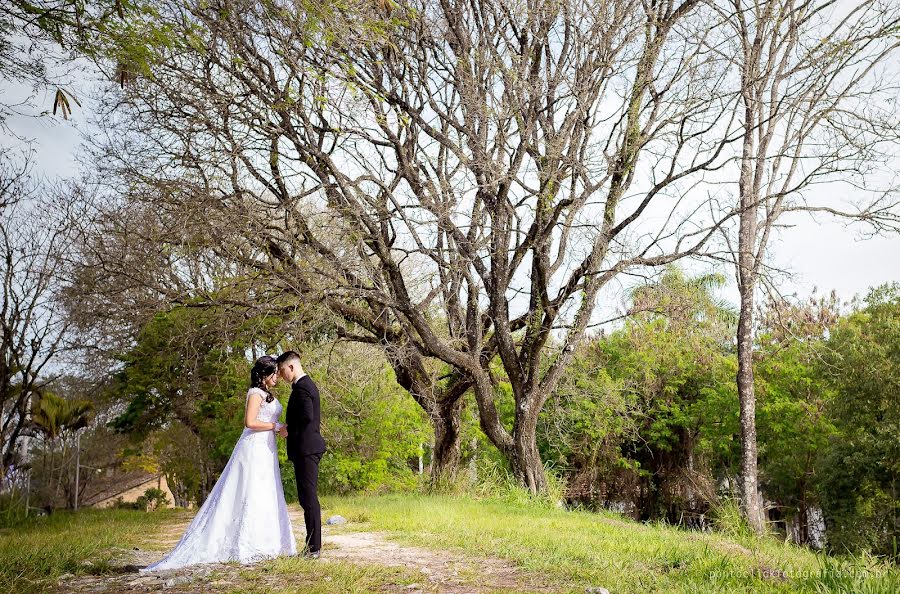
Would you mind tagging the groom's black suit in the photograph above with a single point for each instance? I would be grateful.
(305, 447)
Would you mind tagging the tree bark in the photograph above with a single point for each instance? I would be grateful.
(747, 396)
(524, 457)
(747, 273)
(747, 270)
(442, 404)
(446, 455)
(527, 465)
(803, 519)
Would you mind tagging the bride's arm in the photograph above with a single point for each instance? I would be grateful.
(254, 401)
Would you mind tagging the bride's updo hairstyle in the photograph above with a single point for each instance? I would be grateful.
(263, 368)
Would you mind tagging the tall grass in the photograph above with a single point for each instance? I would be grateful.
(576, 550)
(730, 521)
(855, 574)
(12, 510)
(34, 553)
(496, 481)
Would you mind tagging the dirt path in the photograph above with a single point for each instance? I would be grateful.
(441, 571)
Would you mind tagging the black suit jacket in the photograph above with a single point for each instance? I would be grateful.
(303, 418)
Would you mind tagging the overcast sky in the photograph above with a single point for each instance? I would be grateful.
(819, 252)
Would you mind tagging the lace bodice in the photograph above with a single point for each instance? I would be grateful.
(269, 412)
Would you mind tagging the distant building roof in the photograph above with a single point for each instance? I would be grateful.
(103, 489)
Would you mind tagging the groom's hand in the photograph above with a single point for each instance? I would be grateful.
(283, 431)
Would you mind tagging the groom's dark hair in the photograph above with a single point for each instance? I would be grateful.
(287, 357)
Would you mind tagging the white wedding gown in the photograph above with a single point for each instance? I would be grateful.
(245, 517)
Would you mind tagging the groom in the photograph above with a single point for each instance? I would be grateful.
(305, 445)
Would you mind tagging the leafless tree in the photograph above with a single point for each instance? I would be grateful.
(31, 334)
(16, 175)
(457, 182)
(815, 108)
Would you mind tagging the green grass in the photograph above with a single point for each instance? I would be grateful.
(568, 550)
(34, 553)
(577, 550)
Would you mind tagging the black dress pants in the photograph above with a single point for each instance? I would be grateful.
(307, 470)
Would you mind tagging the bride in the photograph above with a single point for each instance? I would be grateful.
(244, 518)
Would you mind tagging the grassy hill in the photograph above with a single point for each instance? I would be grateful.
(567, 551)
(580, 550)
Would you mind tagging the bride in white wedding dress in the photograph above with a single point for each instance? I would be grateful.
(244, 518)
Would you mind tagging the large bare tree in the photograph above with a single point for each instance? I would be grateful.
(815, 108)
(31, 335)
(456, 181)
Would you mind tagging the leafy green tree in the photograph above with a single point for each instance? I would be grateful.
(676, 382)
(630, 417)
(792, 400)
(376, 434)
(183, 384)
(177, 369)
(585, 423)
(186, 367)
(859, 479)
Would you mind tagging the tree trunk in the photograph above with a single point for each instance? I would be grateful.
(527, 466)
(803, 516)
(444, 409)
(747, 397)
(802, 524)
(525, 458)
(447, 452)
(747, 271)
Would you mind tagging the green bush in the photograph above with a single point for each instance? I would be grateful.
(374, 429)
(152, 499)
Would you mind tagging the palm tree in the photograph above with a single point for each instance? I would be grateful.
(683, 299)
(55, 417)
